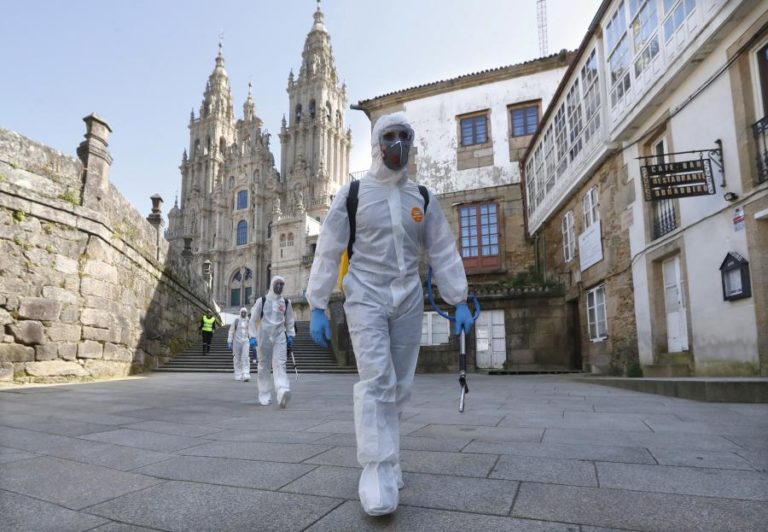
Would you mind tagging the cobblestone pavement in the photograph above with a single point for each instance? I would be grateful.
(534, 453)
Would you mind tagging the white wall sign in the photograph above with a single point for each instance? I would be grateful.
(590, 246)
(738, 218)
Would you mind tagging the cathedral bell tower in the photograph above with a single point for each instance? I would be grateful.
(315, 141)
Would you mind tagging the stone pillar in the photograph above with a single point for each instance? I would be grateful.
(96, 160)
(155, 219)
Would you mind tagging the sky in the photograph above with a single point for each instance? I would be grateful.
(143, 64)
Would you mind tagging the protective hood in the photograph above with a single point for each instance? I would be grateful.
(271, 295)
(378, 170)
(243, 312)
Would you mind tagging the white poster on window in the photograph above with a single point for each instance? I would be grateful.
(590, 246)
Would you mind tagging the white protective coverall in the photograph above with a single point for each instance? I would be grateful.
(270, 331)
(239, 338)
(384, 304)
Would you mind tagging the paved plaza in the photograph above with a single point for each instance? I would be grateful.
(531, 453)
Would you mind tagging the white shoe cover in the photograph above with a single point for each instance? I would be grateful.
(399, 476)
(283, 398)
(378, 489)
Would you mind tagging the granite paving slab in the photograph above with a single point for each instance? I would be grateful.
(537, 421)
(637, 510)
(272, 452)
(605, 453)
(349, 517)
(183, 506)
(480, 433)
(704, 442)
(8, 455)
(722, 483)
(227, 471)
(51, 424)
(549, 470)
(718, 460)
(174, 429)
(268, 436)
(104, 454)
(121, 527)
(19, 513)
(69, 484)
(413, 443)
(758, 459)
(143, 439)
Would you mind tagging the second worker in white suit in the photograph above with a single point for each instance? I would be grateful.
(272, 323)
(384, 299)
(238, 341)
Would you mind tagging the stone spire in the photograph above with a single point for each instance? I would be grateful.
(249, 108)
(217, 99)
(317, 57)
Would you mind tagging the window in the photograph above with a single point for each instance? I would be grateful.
(434, 329)
(328, 112)
(242, 232)
(573, 108)
(590, 206)
(525, 120)
(596, 320)
(591, 87)
(549, 159)
(312, 109)
(474, 130)
(298, 113)
(480, 235)
(289, 240)
(242, 199)
(569, 236)
(282, 240)
(664, 213)
(561, 141)
(530, 185)
(675, 13)
(269, 230)
(235, 285)
(644, 34)
(617, 51)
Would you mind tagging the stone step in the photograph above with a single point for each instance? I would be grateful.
(666, 370)
(681, 357)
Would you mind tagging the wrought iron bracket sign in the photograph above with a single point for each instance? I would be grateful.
(681, 179)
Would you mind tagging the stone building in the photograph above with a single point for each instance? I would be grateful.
(470, 133)
(237, 215)
(646, 187)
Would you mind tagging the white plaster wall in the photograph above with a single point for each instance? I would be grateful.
(436, 127)
(722, 331)
(643, 312)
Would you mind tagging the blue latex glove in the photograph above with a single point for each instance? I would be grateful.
(290, 342)
(320, 327)
(464, 319)
(229, 345)
(253, 342)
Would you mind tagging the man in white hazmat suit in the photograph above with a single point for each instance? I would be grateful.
(272, 323)
(238, 341)
(384, 298)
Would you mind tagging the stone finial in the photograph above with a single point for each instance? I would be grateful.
(156, 218)
(96, 159)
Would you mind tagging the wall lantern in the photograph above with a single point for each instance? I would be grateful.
(735, 274)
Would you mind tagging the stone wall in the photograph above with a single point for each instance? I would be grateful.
(87, 290)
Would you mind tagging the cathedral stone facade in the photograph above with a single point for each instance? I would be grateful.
(240, 219)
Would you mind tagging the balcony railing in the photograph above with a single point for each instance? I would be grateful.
(760, 129)
(664, 218)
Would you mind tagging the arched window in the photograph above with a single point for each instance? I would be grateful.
(298, 113)
(242, 199)
(222, 146)
(242, 233)
(269, 230)
(282, 240)
(289, 240)
(328, 112)
(207, 146)
(312, 109)
(196, 151)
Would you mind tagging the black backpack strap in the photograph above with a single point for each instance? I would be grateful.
(425, 195)
(354, 187)
(263, 299)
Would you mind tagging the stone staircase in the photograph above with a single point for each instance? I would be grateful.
(310, 358)
(670, 365)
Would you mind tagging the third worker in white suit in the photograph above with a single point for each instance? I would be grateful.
(272, 323)
(238, 341)
(384, 297)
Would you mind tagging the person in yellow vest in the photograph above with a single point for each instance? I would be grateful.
(207, 326)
